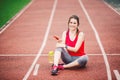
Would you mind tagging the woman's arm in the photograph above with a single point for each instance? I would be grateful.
(81, 38)
(61, 43)
(63, 37)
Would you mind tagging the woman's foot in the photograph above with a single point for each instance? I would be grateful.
(60, 66)
(54, 70)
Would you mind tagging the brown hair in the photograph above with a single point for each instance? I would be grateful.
(77, 18)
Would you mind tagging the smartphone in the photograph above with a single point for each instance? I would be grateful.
(56, 37)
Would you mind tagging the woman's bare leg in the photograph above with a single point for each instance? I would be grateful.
(57, 56)
(72, 64)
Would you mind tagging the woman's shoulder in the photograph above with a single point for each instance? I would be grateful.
(64, 32)
(81, 34)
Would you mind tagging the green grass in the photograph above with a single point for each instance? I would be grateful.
(9, 8)
(114, 3)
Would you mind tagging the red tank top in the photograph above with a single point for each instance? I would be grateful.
(68, 42)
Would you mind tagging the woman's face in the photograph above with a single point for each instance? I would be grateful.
(73, 24)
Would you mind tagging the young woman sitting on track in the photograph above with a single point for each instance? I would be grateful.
(70, 48)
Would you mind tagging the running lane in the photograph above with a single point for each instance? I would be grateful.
(107, 23)
(21, 41)
(25, 34)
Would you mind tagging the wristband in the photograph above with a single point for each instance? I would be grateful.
(66, 46)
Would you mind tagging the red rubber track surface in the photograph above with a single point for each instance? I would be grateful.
(25, 36)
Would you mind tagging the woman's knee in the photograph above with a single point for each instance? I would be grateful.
(59, 49)
(83, 61)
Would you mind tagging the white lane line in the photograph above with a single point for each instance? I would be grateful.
(28, 55)
(43, 43)
(111, 7)
(117, 75)
(102, 54)
(17, 55)
(99, 42)
(4, 27)
(36, 69)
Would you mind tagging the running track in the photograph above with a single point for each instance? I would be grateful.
(27, 40)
